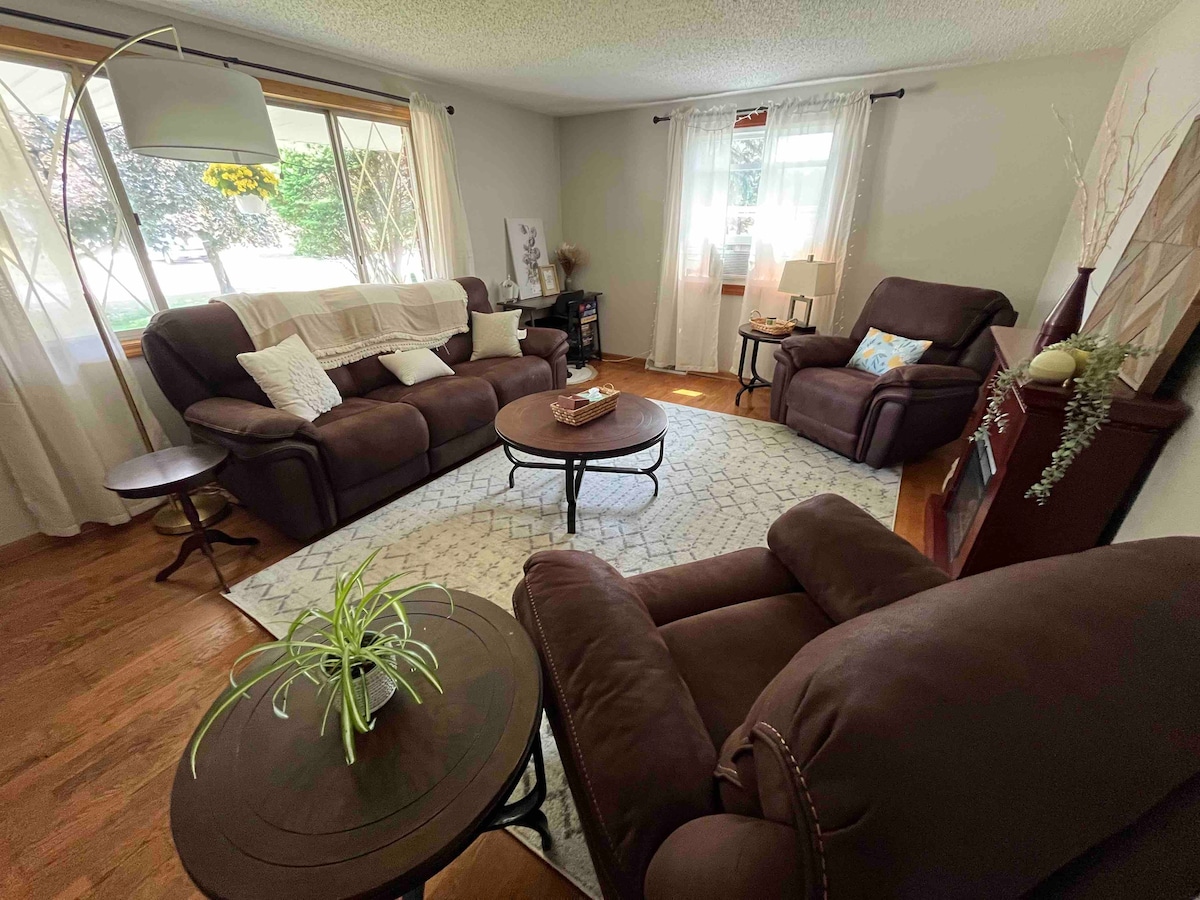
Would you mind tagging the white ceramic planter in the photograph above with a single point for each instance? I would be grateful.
(251, 204)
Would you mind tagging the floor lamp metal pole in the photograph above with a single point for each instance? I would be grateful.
(114, 353)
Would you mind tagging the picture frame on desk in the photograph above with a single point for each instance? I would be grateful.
(548, 280)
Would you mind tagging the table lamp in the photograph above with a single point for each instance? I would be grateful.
(805, 279)
(176, 109)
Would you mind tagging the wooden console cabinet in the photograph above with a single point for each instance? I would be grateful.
(983, 520)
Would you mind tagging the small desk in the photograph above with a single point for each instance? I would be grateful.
(750, 334)
(568, 320)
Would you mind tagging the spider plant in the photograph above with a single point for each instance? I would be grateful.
(343, 645)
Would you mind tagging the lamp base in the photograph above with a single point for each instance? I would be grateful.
(170, 519)
(807, 308)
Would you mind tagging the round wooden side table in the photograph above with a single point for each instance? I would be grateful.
(175, 471)
(528, 425)
(750, 334)
(275, 812)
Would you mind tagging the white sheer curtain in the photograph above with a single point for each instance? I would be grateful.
(449, 241)
(812, 160)
(63, 419)
(687, 318)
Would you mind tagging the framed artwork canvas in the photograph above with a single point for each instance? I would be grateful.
(1152, 297)
(527, 241)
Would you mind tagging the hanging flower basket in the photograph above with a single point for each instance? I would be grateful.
(250, 204)
(249, 186)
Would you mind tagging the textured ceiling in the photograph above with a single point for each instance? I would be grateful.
(573, 56)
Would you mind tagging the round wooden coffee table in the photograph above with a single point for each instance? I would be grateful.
(529, 425)
(275, 812)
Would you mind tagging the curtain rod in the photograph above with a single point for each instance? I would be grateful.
(228, 60)
(756, 109)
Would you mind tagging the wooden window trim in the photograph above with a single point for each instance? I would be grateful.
(36, 43)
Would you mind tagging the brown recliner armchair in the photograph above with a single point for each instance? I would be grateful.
(832, 718)
(889, 419)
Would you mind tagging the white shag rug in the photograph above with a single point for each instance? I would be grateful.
(724, 480)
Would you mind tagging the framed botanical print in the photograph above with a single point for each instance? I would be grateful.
(527, 241)
(548, 280)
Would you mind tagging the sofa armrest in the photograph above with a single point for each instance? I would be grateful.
(693, 588)
(923, 375)
(818, 350)
(636, 752)
(846, 560)
(243, 419)
(544, 342)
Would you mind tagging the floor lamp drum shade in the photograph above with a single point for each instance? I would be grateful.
(184, 110)
(807, 277)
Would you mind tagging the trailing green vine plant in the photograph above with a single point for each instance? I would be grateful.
(1085, 412)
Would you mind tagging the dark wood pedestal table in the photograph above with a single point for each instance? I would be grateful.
(528, 425)
(175, 471)
(751, 335)
(274, 812)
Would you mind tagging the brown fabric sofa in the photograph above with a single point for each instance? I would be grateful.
(832, 718)
(306, 477)
(889, 419)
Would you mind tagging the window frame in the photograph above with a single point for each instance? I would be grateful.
(75, 57)
(757, 119)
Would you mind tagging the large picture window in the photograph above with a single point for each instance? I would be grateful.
(340, 206)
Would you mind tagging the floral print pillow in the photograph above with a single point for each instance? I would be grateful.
(880, 352)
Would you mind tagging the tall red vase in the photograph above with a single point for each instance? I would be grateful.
(1067, 317)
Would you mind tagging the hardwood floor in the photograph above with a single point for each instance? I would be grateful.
(107, 674)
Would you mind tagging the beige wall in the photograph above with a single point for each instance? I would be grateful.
(964, 182)
(1169, 503)
(507, 157)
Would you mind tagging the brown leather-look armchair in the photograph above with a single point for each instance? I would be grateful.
(889, 419)
(831, 717)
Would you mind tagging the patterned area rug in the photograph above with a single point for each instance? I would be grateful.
(724, 480)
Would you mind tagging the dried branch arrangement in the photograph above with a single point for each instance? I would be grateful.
(1122, 168)
(570, 257)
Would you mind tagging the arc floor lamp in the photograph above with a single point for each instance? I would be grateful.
(175, 109)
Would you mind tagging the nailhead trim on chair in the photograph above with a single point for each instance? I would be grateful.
(811, 806)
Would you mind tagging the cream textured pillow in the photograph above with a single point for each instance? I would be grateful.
(292, 378)
(495, 334)
(414, 366)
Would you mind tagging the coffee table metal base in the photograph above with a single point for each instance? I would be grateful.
(574, 467)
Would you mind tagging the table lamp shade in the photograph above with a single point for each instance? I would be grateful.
(183, 110)
(807, 277)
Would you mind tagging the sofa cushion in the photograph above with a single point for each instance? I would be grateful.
(728, 655)
(513, 378)
(453, 405)
(362, 439)
(836, 397)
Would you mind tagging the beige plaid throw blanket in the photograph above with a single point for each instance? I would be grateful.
(345, 324)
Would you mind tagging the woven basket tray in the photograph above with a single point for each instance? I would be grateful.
(592, 411)
(759, 323)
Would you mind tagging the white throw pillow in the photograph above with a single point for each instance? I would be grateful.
(495, 334)
(292, 378)
(414, 366)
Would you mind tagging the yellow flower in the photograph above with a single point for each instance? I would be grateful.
(895, 361)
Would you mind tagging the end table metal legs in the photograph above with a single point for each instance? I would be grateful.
(527, 812)
(201, 539)
(756, 380)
